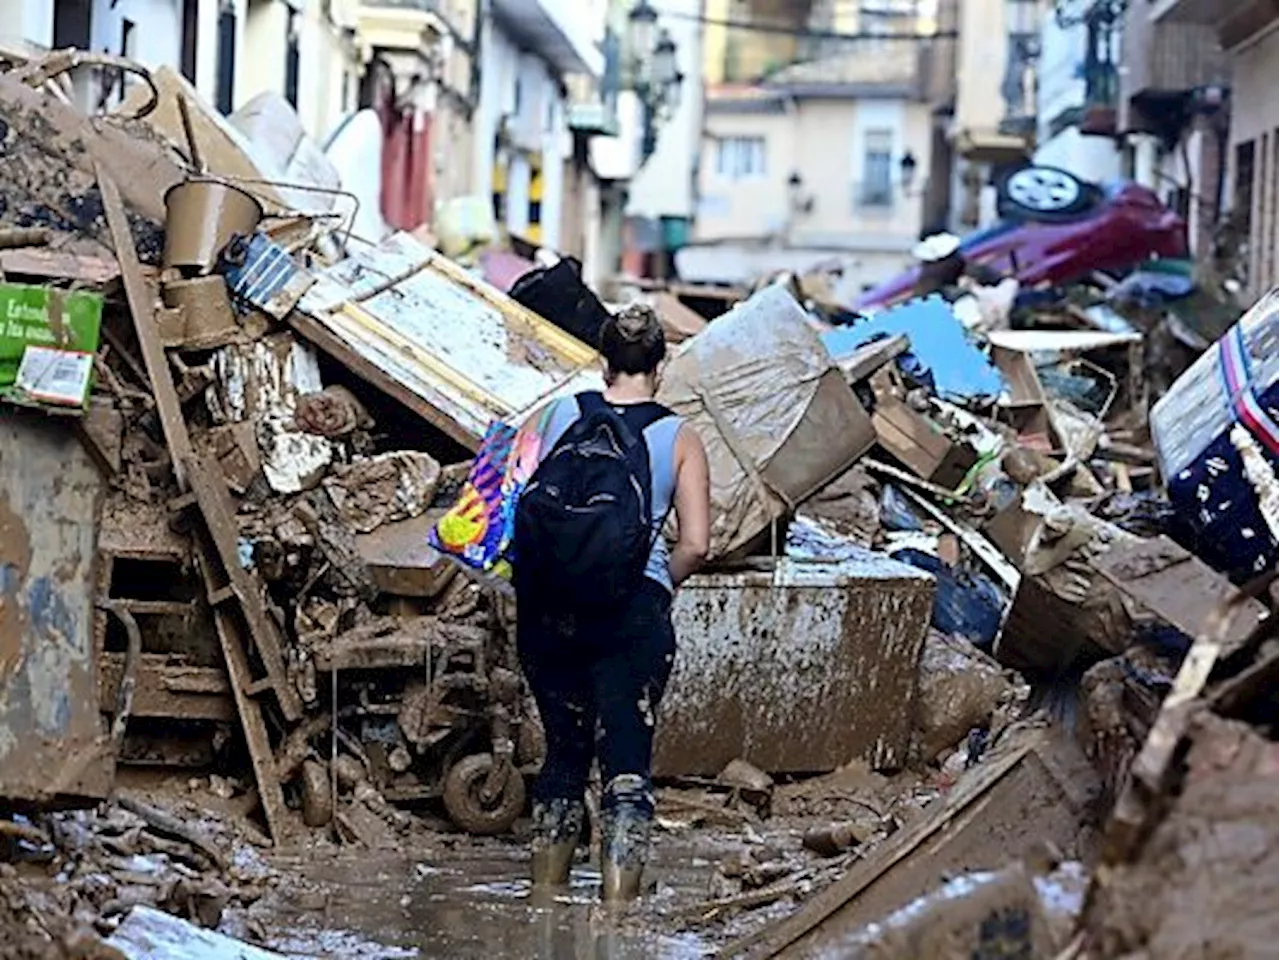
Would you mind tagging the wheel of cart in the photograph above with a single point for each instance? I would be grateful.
(484, 795)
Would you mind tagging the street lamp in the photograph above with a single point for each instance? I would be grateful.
(664, 61)
(907, 168)
(643, 19)
(653, 72)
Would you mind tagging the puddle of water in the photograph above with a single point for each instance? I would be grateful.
(474, 903)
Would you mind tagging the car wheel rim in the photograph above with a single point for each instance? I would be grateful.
(1045, 190)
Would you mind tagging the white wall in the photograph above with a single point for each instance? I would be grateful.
(207, 49)
(555, 149)
(1060, 83)
(499, 58)
(664, 186)
(539, 125)
(324, 100)
(156, 36)
(616, 158)
(260, 65)
(30, 20)
(1097, 159)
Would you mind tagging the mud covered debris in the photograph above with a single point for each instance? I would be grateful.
(1207, 875)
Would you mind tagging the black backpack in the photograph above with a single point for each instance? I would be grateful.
(584, 523)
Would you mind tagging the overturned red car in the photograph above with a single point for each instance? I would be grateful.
(1056, 229)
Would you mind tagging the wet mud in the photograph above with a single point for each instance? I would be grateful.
(476, 902)
(1205, 883)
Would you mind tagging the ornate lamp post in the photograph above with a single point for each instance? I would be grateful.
(652, 72)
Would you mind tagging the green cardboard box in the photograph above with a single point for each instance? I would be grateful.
(59, 328)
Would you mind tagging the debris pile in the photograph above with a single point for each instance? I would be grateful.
(71, 878)
(228, 426)
(256, 519)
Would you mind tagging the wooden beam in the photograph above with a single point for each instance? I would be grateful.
(142, 304)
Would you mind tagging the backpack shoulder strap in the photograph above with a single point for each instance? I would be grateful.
(590, 401)
(592, 406)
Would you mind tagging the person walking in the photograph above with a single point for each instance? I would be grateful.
(594, 580)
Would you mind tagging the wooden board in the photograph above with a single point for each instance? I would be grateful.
(142, 304)
(215, 505)
(1179, 588)
(915, 839)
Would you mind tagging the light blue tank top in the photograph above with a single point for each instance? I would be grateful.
(660, 438)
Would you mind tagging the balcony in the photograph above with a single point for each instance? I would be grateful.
(405, 26)
(1234, 20)
(566, 35)
(1165, 60)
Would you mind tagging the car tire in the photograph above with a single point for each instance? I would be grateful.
(1044, 194)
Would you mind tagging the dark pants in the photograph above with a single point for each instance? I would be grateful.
(608, 671)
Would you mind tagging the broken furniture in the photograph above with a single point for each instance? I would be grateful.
(1217, 417)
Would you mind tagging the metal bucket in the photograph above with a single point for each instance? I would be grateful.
(201, 216)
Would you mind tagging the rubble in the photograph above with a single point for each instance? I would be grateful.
(1208, 872)
(961, 689)
(96, 873)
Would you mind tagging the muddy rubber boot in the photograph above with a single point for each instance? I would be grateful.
(557, 826)
(624, 843)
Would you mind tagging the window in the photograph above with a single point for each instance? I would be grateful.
(877, 169)
(190, 31)
(291, 59)
(226, 57)
(738, 158)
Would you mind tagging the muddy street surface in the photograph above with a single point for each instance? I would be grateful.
(478, 903)
(718, 872)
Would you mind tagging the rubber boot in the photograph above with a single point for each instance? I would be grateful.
(624, 840)
(557, 827)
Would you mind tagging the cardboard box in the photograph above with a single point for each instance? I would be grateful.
(916, 440)
(777, 418)
(47, 341)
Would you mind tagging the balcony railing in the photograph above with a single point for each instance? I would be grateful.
(1019, 86)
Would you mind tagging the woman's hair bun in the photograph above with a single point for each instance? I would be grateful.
(636, 322)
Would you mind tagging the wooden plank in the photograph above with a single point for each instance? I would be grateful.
(169, 691)
(1232, 694)
(777, 937)
(261, 756)
(1178, 587)
(57, 265)
(215, 505)
(142, 304)
(866, 360)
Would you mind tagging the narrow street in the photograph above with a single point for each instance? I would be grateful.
(811, 465)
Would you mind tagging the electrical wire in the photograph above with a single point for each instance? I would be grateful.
(807, 32)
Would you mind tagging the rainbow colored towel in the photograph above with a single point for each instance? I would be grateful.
(479, 527)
